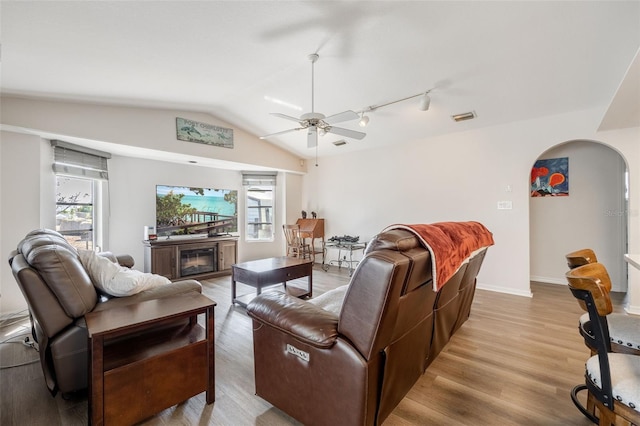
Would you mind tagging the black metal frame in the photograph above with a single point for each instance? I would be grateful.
(595, 336)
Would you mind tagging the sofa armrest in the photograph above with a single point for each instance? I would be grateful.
(298, 318)
(177, 288)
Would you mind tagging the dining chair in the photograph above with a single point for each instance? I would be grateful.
(611, 379)
(624, 329)
(296, 245)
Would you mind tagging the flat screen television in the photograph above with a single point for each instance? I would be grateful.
(182, 210)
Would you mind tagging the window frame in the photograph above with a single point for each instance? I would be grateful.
(269, 210)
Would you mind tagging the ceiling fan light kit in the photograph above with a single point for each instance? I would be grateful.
(364, 120)
(315, 122)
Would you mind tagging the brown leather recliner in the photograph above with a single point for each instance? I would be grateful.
(59, 293)
(353, 366)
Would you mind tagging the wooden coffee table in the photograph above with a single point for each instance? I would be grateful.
(267, 272)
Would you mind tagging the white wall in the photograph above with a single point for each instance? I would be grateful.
(145, 128)
(593, 215)
(20, 190)
(292, 199)
(458, 177)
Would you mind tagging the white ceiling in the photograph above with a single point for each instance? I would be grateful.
(507, 61)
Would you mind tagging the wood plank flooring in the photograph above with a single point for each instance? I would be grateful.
(514, 362)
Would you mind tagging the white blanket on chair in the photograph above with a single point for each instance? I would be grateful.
(331, 300)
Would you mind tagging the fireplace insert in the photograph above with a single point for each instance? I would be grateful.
(194, 261)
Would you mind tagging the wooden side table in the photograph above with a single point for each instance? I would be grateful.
(149, 356)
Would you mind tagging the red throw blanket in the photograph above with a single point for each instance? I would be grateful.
(450, 244)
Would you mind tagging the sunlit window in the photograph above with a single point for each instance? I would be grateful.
(75, 216)
(259, 202)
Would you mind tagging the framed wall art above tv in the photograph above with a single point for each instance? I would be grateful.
(182, 210)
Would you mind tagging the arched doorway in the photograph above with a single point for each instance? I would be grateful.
(593, 215)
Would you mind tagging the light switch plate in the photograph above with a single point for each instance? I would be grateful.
(505, 205)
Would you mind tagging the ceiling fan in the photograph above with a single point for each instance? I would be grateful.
(315, 123)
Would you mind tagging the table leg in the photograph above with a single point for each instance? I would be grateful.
(96, 381)
(233, 291)
(211, 393)
(350, 261)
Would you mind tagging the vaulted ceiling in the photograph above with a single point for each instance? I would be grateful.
(507, 61)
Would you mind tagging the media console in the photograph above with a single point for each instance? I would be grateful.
(198, 258)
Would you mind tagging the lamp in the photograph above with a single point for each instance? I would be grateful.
(425, 101)
(364, 120)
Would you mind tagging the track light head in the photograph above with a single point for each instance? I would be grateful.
(425, 101)
(364, 120)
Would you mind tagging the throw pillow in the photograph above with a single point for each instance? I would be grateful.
(116, 280)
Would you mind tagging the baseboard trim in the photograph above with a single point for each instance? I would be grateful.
(548, 280)
(633, 310)
(506, 290)
(15, 315)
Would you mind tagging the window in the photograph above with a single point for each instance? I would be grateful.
(75, 210)
(81, 176)
(259, 195)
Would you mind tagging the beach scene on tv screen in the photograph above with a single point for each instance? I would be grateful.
(184, 210)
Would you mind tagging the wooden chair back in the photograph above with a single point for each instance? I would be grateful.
(296, 245)
(581, 257)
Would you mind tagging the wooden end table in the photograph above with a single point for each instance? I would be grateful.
(275, 270)
(149, 356)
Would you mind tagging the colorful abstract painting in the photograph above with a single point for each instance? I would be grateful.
(550, 177)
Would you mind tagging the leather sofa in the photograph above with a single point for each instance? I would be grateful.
(354, 365)
(59, 292)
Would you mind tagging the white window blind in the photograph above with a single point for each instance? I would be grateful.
(75, 160)
(259, 178)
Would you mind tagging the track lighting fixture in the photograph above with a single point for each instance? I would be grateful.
(425, 102)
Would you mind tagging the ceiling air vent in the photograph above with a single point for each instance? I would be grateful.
(464, 116)
(340, 142)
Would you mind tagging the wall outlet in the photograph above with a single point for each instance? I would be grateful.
(505, 205)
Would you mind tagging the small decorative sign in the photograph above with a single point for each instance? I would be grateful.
(208, 134)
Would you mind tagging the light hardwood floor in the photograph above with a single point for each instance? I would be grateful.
(514, 362)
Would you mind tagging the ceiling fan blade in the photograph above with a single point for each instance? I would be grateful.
(342, 116)
(281, 133)
(286, 117)
(346, 132)
(312, 137)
